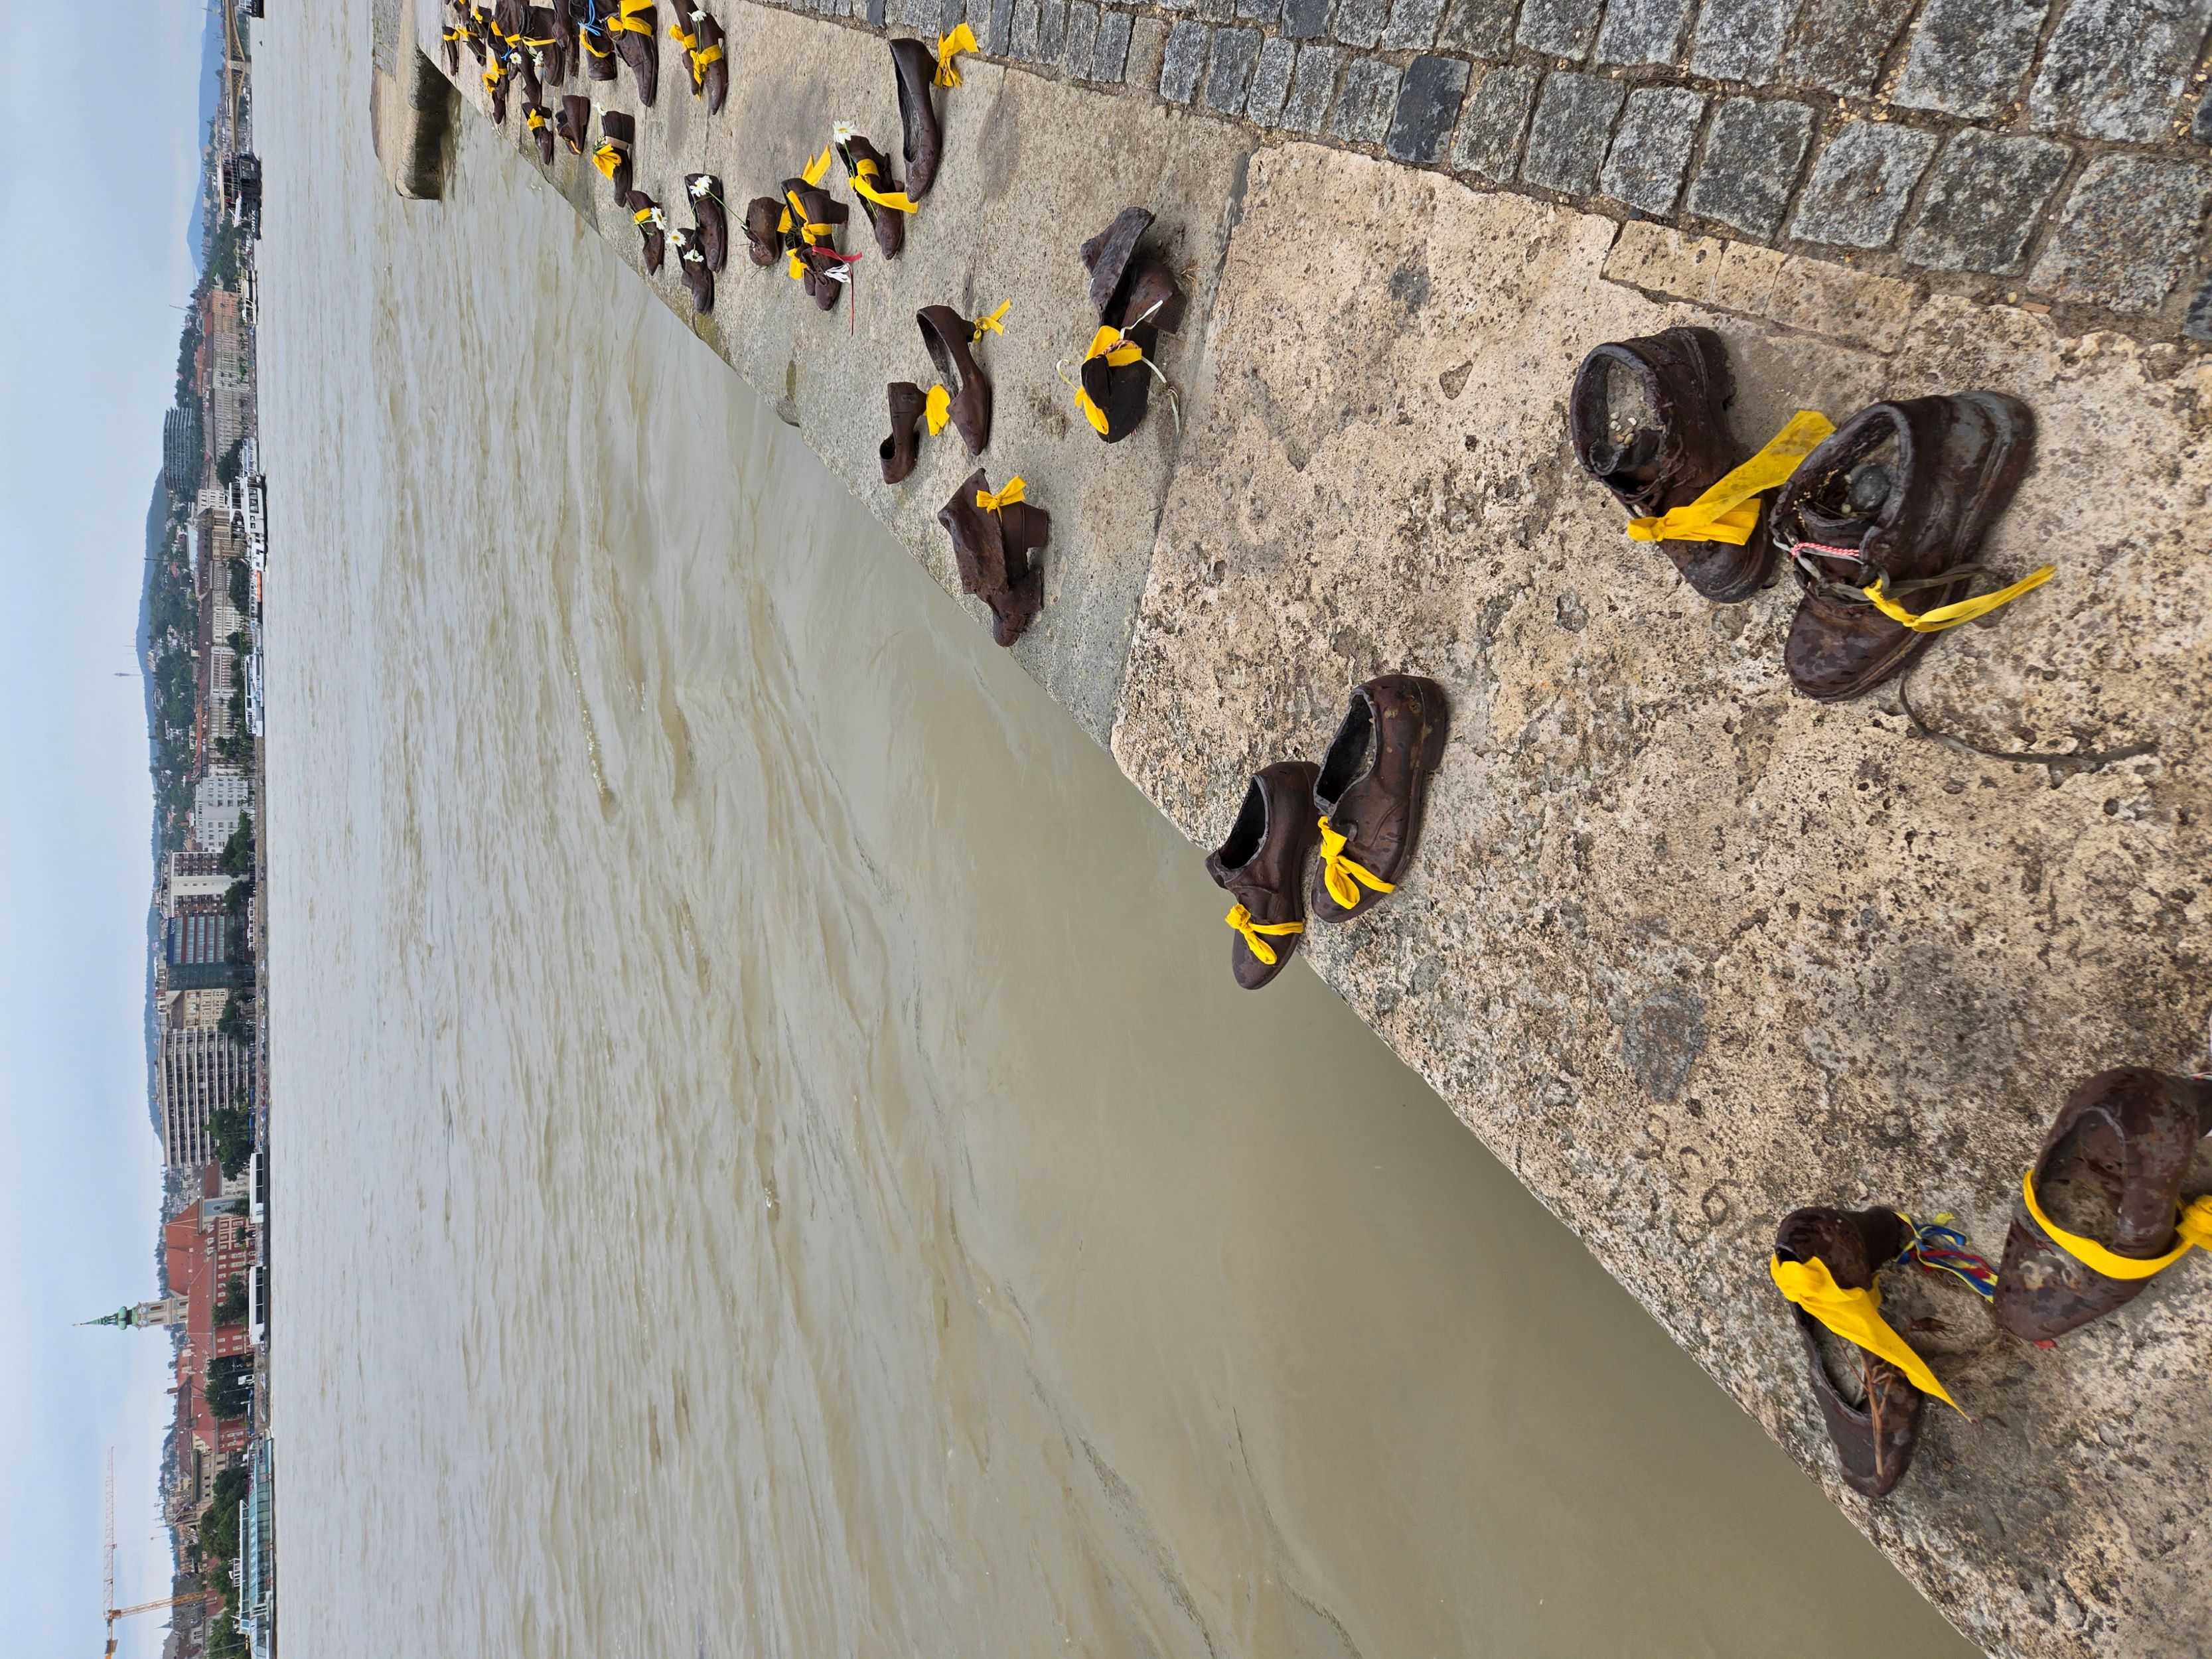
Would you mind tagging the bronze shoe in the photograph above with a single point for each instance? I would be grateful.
(898, 452)
(1681, 448)
(709, 80)
(947, 335)
(1371, 788)
(765, 241)
(691, 266)
(2111, 1171)
(639, 46)
(597, 40)
(618, 136)
(1130, 290)
(1262, 865)
(652, 227)
(1873, 1411)
(991, 550)
(1902, 492)
(825, 282)
(863, 162)
(705, 190)
(572, 121)
(914, 66)
(540, 124)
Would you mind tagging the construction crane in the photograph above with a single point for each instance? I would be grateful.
(115, 1612)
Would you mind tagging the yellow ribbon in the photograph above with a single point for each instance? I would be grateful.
(950, 46)
(1339, 873)
(607, 158)
(596, 52)
(992, 322)
(703, 59)
(1115, 347)
(1091, 412)
(937, 408)
(819, 166)
(494, 75)
(783, 225)
(896, 199)
(1727, 511)
(2194, 1223)
(689, 42)
(535, 118)
(1854, 1315)
(629, 20)
(1950, 615)
(990, 503)
(1241, 920)
(644, 216)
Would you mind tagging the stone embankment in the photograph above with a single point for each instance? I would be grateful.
(1686, 950)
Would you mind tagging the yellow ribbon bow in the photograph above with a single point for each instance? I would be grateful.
(895, 199)
(991, 322)
(1114, 346)
(937, 408)
(1950, 615)
(1854, 1315)
(628, 21)
(2193, 1223)
(950, 46)
(1339, 873)
(607, 158)
(1729, 512)
(689, 42)
(702, 60)
(990, 503)
(535, 118)
(819, 166)
(1264, 953)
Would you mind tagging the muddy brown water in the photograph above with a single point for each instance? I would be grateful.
(769, 1159)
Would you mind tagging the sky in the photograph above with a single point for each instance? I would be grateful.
(103, 167)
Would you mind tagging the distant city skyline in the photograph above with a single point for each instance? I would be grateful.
(84, 388)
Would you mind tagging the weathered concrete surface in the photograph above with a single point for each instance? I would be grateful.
(1688, 951)
(410, 106)
(1031, 168)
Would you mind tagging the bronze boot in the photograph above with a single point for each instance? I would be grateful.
(914, 66)
(572, 121)
(618, 136)
(1873, 1409)
(691, 266)
(991, 550)
(898, 451)
(765, 240)
(947, 335)
(636, 45)
(1678, 447)
(1262, 865)
(865, 164)
(1902, 493)
(2110, 1171)
(1371, 788)
(535, 118)
(652, 227)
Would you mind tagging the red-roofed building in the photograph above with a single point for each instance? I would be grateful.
(206, 1248)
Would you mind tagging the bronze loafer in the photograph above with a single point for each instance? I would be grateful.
(1262, 865)
(1371, 788)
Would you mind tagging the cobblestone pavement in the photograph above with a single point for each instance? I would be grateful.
(2056, 154)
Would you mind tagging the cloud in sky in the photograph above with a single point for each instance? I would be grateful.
(103, 167)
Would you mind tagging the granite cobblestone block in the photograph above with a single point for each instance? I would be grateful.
(1413, 25)
(1307, 20)
(1364, 107)
(1862, 184)
(1562, 28)
(1052, 30)
(1183, 64)
(1639, 31)
(1429, 98)
(997, 35)
(1082, 42)
(1359, 22)
(1235, 50)
(1258, 11)
(1480, 28)
(1567, 141)
(1752, 157)
(2197, 325)
(2117, 68)
(1969, 56)
(1841, 45)
(1489, 142)
(1110, 62)
(2200, 127)
(1651, 151)
(1312, 85)
(1022, 39)
(1215, 11)
(2128, 233)
(1271, 79)
(1740, 39)
(1984, 201)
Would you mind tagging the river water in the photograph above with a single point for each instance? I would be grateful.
(769, 1159)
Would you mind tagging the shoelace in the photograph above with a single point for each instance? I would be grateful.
(1339, 873)
(1881, 592)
